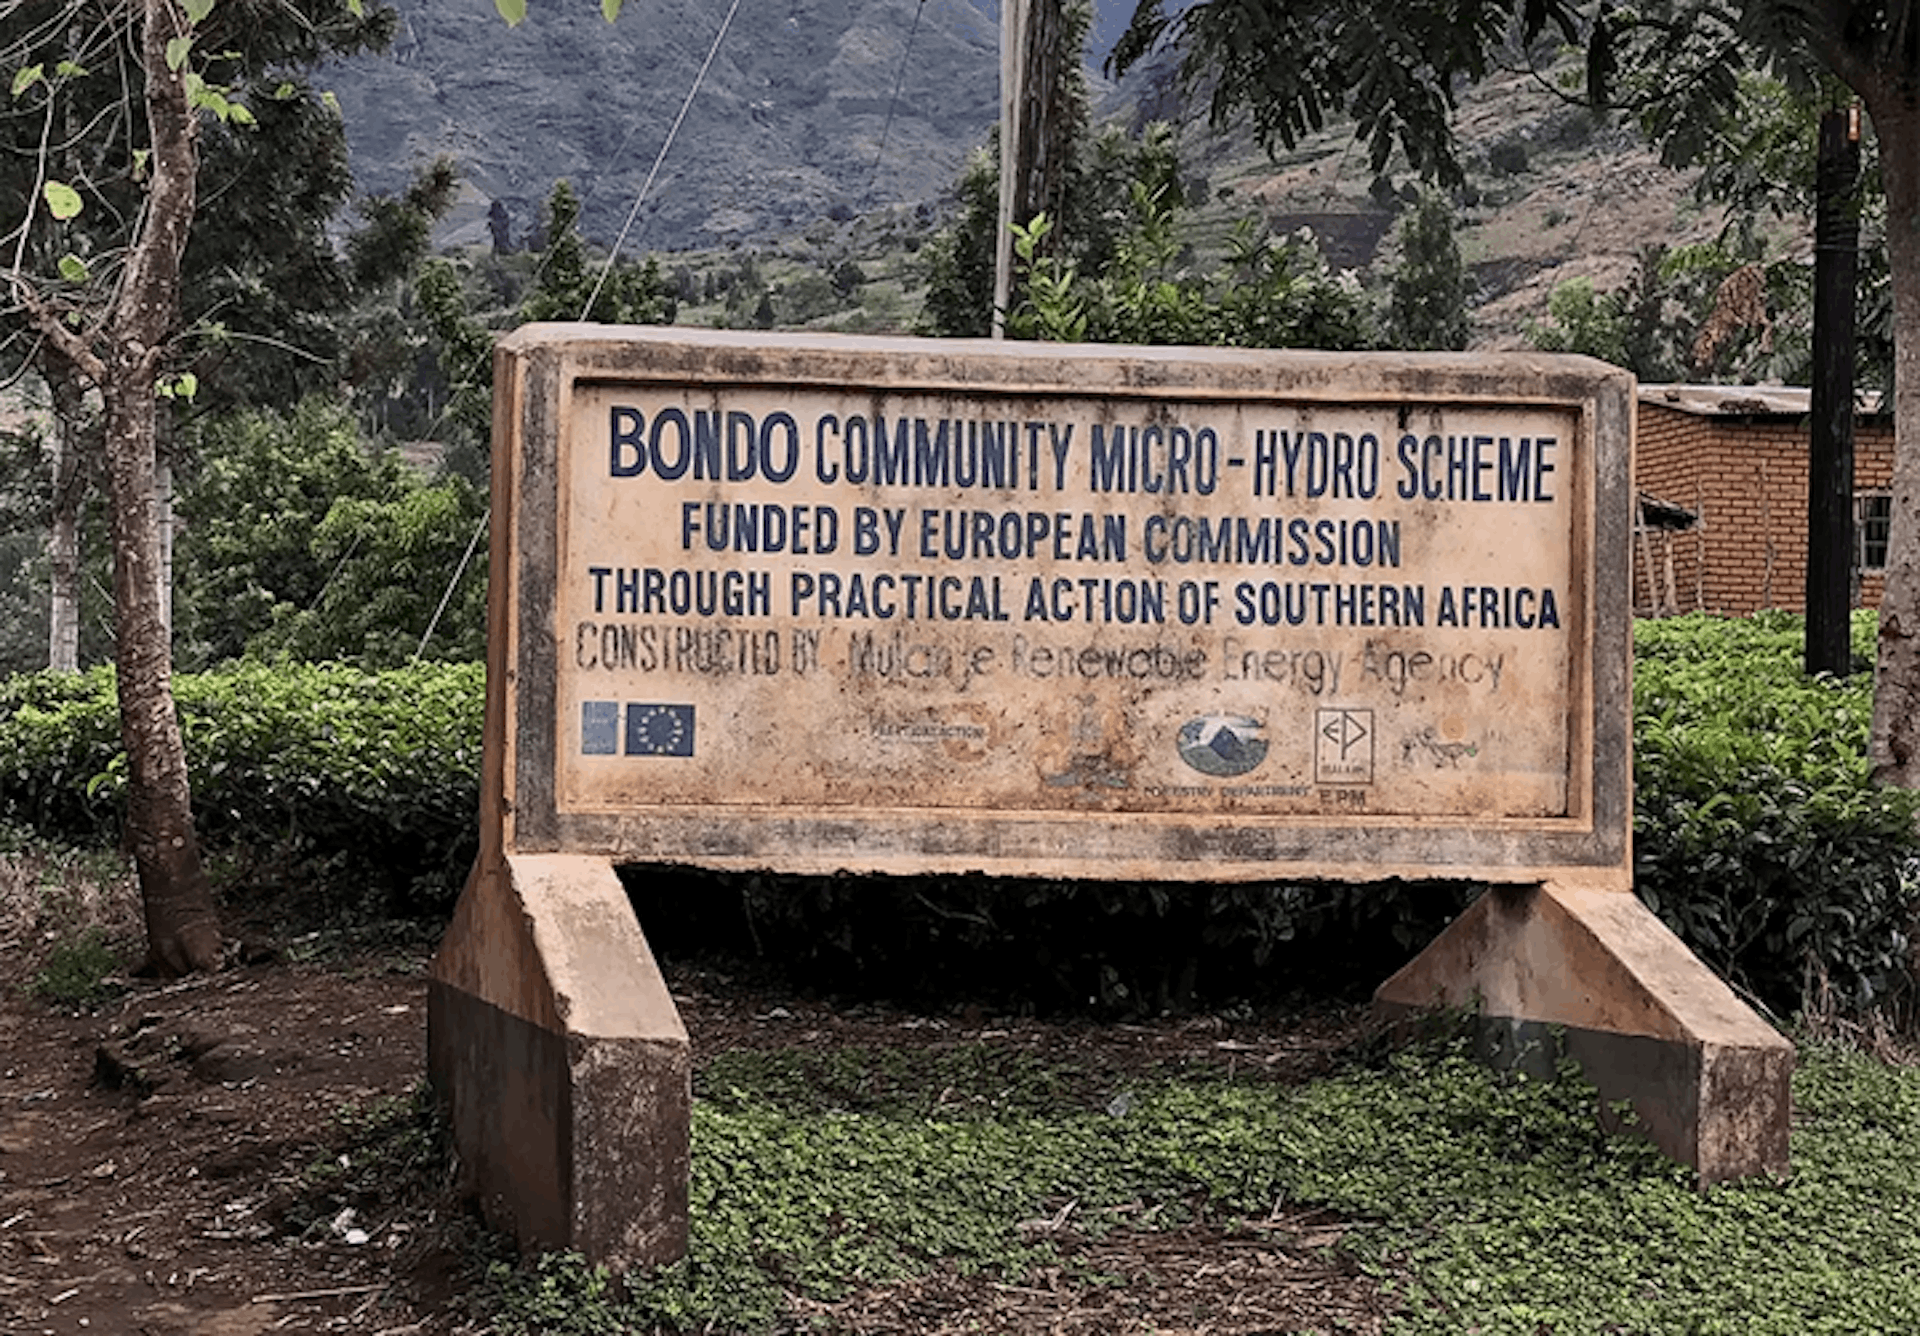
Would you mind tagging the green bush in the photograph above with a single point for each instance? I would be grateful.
(299, 539)
(366, 779)
(79, 971)
(1759, 835)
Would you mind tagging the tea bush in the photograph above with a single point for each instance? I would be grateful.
(1759, 837)
(368, 780)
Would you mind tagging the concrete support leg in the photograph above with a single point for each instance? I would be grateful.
(1645, 1020)
(554, 1044)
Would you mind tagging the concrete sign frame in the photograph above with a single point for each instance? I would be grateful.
(545, 373)
(612, 738)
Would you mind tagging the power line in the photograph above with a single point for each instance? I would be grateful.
(654, 171)
(605, 269)
(458, 571)
(899, 79)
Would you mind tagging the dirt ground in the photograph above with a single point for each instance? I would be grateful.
(167, 1164)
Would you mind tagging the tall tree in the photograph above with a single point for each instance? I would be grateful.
(113, 312)
(120, 351)
(260, 302)
(1290, 64)
(567, 284)
(1427, 306)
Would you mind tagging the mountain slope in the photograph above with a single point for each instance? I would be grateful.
(797, 124)
(796, 118)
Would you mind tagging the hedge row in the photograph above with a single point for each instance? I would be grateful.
(1758, 836)
(370, 779)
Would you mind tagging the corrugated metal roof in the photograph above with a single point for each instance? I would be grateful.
(1743, 400)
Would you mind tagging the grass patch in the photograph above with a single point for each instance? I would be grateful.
(959, 1082)
(1486, 1203)
(69, 918)
(80, 971)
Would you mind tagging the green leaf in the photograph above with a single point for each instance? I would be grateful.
(240, 115)
(26, 78)
(63, 201)
(140, 156)
(357, 8)
(66, 69)
(73, 268)
(284, 91)
(511, 10)
(331, 102)
(203, 96)
(610, 8)
(177, 49)
(197, 9)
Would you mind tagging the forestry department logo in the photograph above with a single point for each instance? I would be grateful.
(1222, 744)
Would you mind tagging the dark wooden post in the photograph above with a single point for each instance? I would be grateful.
(1032, 125)
(1836, 240)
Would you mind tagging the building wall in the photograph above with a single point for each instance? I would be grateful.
(1746, 479)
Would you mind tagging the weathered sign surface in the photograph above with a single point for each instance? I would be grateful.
(891, 604)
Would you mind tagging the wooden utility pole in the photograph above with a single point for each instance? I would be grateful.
(1032, 45)
(1013, 70)
(1836, 246)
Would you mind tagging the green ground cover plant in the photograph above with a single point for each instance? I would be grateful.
(79, 971)
(1486, 1203)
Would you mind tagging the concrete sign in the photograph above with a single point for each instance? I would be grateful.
(807, 603)
(907, 606)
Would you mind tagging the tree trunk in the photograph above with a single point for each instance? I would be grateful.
(122, 357)
(67, 466)
(183, 934)
(1895, 744)
(1040, 173)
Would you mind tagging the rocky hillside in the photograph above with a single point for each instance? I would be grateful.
(1552, 194)
(797, 118)
(797, 133)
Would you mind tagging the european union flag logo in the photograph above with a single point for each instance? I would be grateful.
(600, 728)
(659, 730)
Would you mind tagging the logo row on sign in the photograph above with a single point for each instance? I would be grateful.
(1219, 745)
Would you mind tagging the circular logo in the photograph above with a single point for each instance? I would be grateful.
(1222, 744)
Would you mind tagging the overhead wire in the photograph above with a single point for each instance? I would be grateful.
(672, 131)
(606, 269)
(899, 81)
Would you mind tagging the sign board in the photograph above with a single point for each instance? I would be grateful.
(820, 603)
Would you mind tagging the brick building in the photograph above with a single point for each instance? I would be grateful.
(1722, 476)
